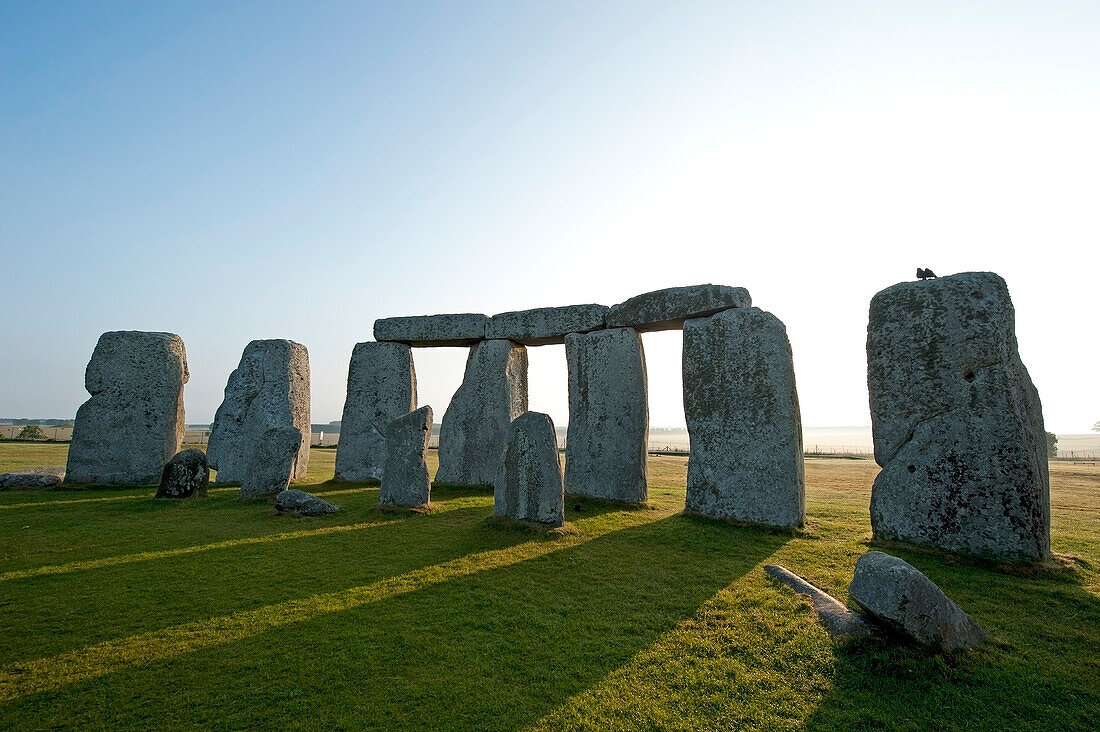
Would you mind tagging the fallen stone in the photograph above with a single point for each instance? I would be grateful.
(743, 420)
(270, 388)
(546, 326)
(299, 503)
(668, 309)
(272, 464)
(381, 388)
(424, 331)
(134, 421)
(608, 428)
(44, 477)
(185, 476)
(839, 621)
(896, 594)
(958, 426)
(475, 426)
(528, 487)
(405, 480)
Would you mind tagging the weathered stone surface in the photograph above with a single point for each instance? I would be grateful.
(33, 477)
(299, 503)
(608, 416)
(405, 481)
(185, 476)
(454, 329)
(272, 465)
(270, 388)
(133, 423)
(475, 426)
(958, 426)
(528, 485)
(381, 388)
(895, 593)
(546, 326)
(742, 416)
(668, 309)
(839, 621)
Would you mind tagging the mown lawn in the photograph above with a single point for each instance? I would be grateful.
(121, 611)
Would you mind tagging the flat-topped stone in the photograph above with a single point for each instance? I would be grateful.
(33, 477)
(425, 331)
(546, 326)
(133, 423)
(294, 502)
(668, 309)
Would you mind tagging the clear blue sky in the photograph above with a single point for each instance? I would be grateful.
(276, 170)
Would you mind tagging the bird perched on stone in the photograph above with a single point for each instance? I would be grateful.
(925, 274)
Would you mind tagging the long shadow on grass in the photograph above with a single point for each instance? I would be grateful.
(496, 648)
(1041, 671)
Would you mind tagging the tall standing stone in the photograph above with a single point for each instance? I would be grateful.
(528, 485)
(133, 424)
(381, 388)
(743, 420)
(270, 388)
(475, 425)
(608, 415)
(958, 426)
(405, 480)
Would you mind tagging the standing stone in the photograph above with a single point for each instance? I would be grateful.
(186, 475)
(528, 485)
(608, 416)
(475, 425)
(405, 481)
(899, 596)
(743, 420)
(381, 388)
(270, 388)
(958, 426)
(133, 424)
(272, 465)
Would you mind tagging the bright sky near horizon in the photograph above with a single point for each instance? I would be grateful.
(296, 170)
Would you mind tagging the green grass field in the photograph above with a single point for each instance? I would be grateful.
(121, 611)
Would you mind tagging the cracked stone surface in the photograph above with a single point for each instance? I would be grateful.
(958, 425)
(381, 388)
(405, 479)
(743, 419)
(133, 423)
(528, 485)
(474, 431)
(270, 388)
(608, 416)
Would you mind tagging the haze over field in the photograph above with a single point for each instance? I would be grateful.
(231, 172)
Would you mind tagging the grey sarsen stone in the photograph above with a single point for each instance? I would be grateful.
(668, 309)
(528, 486)
(546, 326)
(608, 416)
(270, 388)
(405, 479)
(453, 329)
(743, 419)
(133, 423)
(381, 388)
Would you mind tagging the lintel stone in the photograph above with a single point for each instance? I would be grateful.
(668, 309)
(426, 331)
(546, 326)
